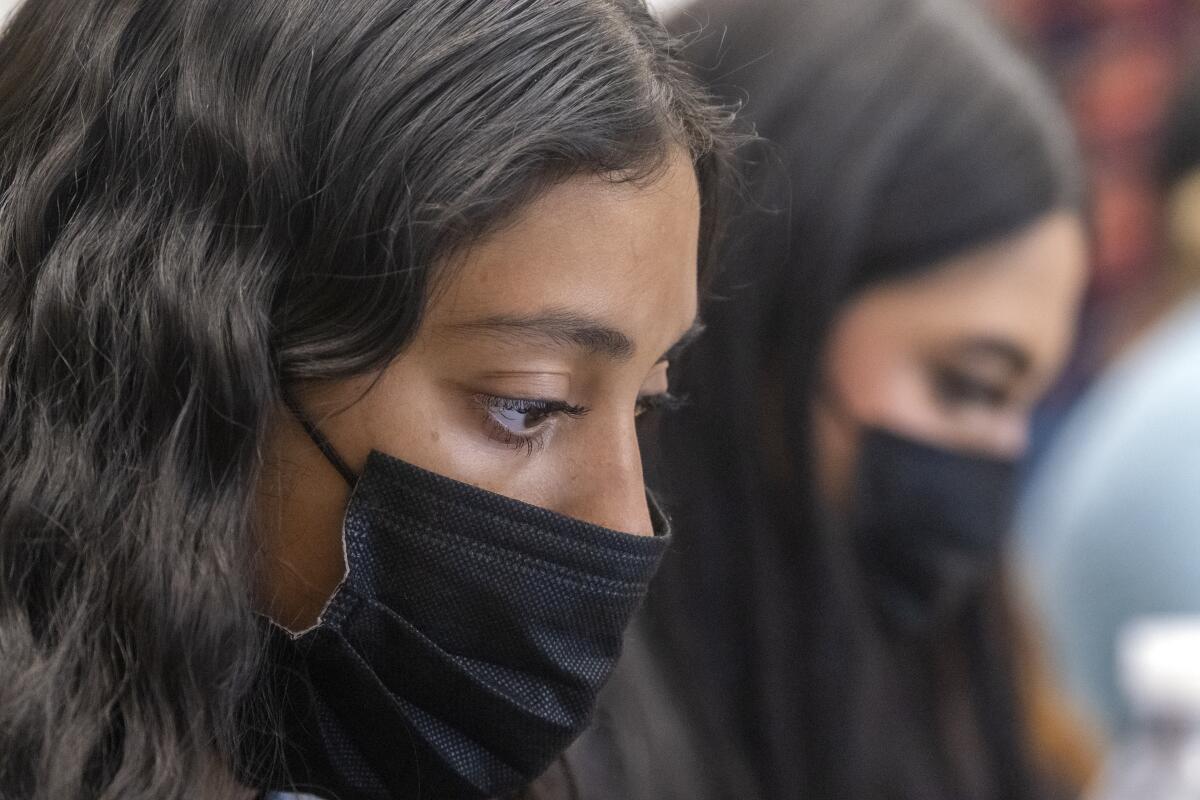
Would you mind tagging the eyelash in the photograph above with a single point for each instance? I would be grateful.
(666, 402)
(545, 410)
(956, 389)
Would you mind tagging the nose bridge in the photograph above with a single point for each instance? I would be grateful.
(609, 489)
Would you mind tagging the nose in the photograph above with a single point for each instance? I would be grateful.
(608, 488)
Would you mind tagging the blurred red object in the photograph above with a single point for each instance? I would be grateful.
(1118, 63)
(1120, 91)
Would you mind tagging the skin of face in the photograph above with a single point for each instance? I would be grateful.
(579, 301)
(957, 356)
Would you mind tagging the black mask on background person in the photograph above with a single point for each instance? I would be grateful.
(464, 649)
(928, 526)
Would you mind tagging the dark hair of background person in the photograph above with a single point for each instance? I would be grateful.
(202, 202)
(901, 132)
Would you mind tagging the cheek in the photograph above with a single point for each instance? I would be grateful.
(1056, 345)
(874, 377)
(999, 433)
(411, 415)
(867, 383)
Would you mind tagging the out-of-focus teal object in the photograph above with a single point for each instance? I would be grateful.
(1110, 524)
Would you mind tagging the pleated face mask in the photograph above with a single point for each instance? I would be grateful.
(465, 647)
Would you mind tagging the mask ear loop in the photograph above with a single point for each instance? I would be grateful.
(322, 443)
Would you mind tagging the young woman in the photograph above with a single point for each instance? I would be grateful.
(323, 331)
(832, 619)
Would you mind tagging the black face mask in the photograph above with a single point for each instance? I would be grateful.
(928, 525)
(465, 648)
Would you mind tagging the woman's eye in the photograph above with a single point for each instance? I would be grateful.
(957, 389)
(519, 416)
(521, 422)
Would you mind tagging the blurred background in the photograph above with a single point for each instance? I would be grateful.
(1108, 551)
(1117, 64)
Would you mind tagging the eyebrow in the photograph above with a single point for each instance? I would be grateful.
(560, 328)
(571, 329)
(995, 347)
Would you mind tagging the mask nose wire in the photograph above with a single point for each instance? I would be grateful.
(323, 444)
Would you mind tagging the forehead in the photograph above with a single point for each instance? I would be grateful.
(1025, 289)
(624, 251)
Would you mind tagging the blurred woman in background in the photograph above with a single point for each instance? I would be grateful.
(833, 622)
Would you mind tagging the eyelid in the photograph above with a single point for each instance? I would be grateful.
(533, 384)
(547, 407)
(984, 366)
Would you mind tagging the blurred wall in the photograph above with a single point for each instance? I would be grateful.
(1117, 64)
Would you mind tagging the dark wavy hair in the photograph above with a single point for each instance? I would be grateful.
(201, 203)
(901, 133)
